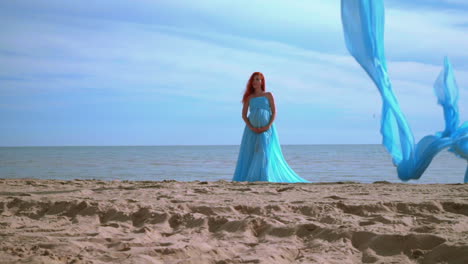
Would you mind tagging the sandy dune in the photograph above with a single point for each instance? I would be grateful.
(51, 221)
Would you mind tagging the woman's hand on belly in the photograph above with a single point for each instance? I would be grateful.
(259, 130)
(255, 130)
(263, 129)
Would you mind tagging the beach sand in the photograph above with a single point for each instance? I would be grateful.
(92, 221)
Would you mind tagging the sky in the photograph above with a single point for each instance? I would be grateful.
(160, 72)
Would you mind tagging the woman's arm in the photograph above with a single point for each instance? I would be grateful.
(245, 108)
(273, 109)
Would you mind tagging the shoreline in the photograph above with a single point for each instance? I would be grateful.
(95, 221)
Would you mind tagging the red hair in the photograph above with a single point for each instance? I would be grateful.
(250, 89)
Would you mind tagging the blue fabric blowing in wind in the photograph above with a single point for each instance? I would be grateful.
(363, 26)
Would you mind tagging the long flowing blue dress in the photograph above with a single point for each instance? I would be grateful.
(260, 156)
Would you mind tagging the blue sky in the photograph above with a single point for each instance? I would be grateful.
(173, 72)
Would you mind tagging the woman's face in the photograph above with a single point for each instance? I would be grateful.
(257, 82)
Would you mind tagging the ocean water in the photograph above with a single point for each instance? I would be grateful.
(316, 163)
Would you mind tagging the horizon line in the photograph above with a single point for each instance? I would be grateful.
(187, 145)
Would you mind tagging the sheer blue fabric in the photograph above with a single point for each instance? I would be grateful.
(363, 26)
(260, 156)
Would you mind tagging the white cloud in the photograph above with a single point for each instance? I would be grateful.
(426, 34)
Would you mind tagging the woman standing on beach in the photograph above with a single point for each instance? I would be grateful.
(260, 155)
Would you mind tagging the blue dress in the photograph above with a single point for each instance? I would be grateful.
(260, 156)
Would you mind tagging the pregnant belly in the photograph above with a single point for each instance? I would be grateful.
(259, 118)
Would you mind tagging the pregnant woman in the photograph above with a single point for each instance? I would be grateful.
(260, 155)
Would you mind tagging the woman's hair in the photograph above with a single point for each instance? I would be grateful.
(250, 89)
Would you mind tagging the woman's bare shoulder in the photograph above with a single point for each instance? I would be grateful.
(269, 95)
(248, 99)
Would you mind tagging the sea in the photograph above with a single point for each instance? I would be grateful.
(316, 163)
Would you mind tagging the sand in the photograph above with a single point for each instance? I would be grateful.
(92, 221)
